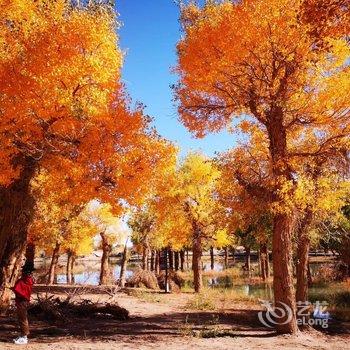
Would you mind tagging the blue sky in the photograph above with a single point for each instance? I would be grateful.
(149, 35)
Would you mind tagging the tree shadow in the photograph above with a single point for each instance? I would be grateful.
(236, 323)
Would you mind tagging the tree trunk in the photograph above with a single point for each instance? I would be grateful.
(282, 223)
(152, 260)
(187, 259)
(16, 212)
(69, 267)
(53, 264)
(105, 273)
(72, 262)
(157, 262)
(226, 257)
(145, 257)
(247, 259)
(148, 260)
(182, 260)
(197, 261)
(166, 282)
(309, 275)
(264, 261)
(267, 263)
(171, 259)
(212, 258)
(124, 265)
(233, 250)
(177, 260)
(283, 276)
(30, 252)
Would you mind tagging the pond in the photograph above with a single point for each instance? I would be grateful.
(87, 272)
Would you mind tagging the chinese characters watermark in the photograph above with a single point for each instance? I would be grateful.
(283, 314)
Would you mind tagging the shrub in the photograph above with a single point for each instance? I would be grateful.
(143, 278)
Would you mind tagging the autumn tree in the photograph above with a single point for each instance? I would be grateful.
(141, 223)
(109, 227)
(247, 216)
(64, 111)
(49, 76)
(186, 207)
(147, 237)
(58, 225)
(78, 241)
(266, 71)
(321, 192)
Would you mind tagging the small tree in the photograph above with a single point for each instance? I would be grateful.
(109, 228)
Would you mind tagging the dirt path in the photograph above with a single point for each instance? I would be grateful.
(156, 325)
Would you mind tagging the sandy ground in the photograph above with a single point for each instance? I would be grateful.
(158, 325)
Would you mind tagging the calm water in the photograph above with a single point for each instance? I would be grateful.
(91, 276)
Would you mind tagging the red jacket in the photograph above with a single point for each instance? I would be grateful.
(23, 288)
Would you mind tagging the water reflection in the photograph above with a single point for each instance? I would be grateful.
(217, 267)
(92, 277)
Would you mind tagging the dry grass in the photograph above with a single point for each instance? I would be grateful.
(147, 295)
(218, 299)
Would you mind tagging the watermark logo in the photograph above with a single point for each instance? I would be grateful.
(283, 314)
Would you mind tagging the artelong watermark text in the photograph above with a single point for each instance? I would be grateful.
(274, 315)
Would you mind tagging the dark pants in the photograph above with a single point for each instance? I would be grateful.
(22, 315)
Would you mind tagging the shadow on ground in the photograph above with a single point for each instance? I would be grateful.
(235, 323)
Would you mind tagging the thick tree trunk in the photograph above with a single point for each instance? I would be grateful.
(53, 264)
(11, 274)
(282, 223)
(16, 212)
(197, 261)
(177, 260)
(182, 260)
(212, 262)
(226, 257)
(123, 266)
(283, 276)
(105, 273)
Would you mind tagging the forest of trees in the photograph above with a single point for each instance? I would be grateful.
(78, 156)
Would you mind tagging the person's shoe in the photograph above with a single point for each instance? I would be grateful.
(21, 340)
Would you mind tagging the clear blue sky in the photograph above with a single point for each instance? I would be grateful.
(149, 35)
